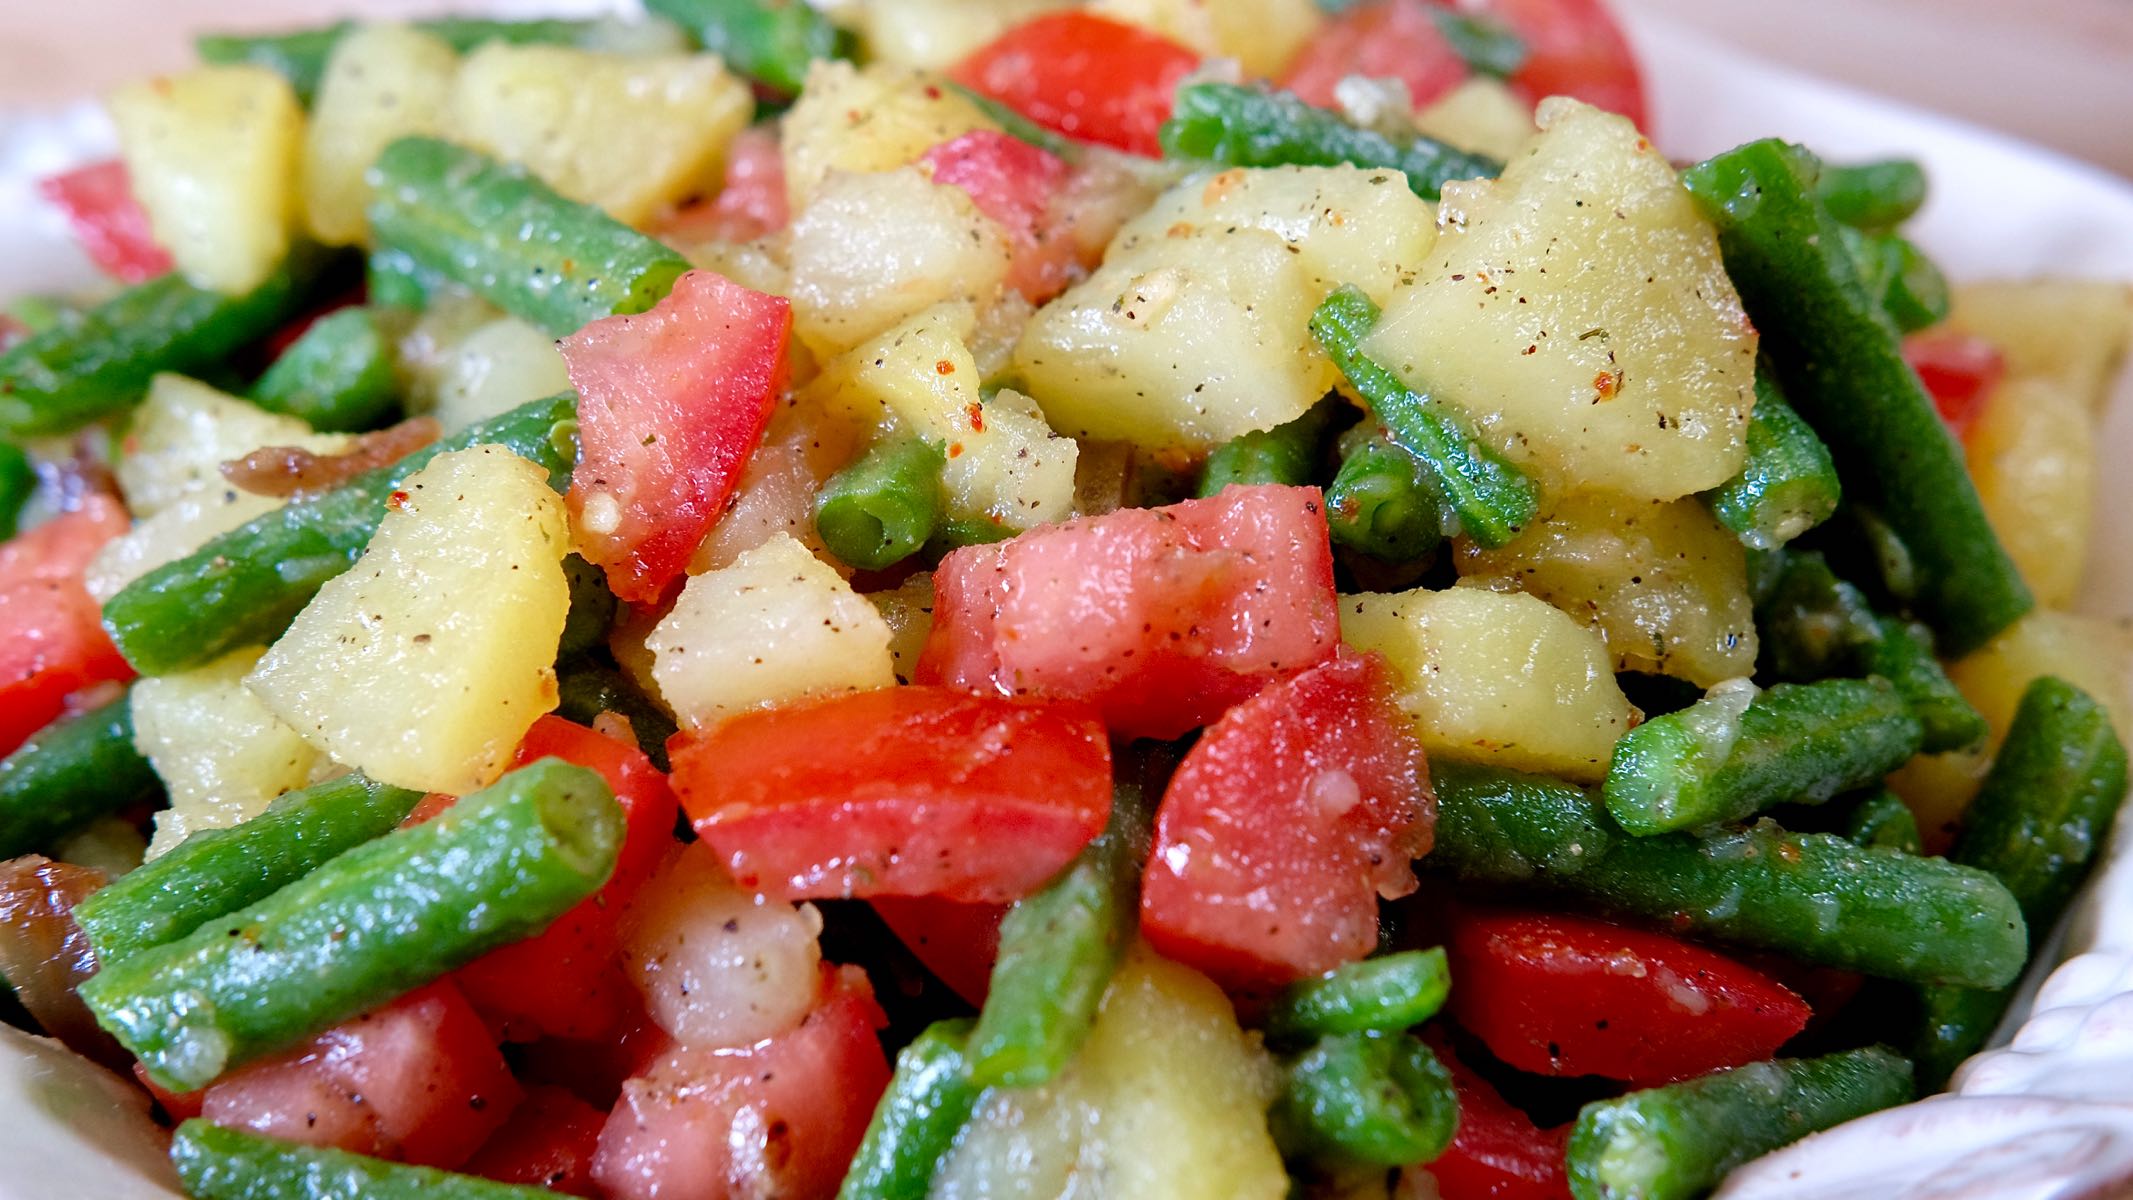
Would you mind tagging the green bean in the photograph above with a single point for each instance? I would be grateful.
(1911, 290)
(929, 1100)
(1716, 761)
(1788, 485)
(1058, 951)
(217, 871)
(37, 313)
(1903, 655)
(883, 508)
(1366, 1099)
(68, 774)
(384, 917)
(1842, 365)
(215, 1163)
(244, 587)
(1881, 818)
(92, 364)
(1488, 47)
(18, 480)
(1874, 196)
(1017, 126)
(1678, 1142)
(495, 228)
(587, 690)
(394, 280)
(1287, 453)
(1389, 994)
(1492, 498)
(338, 376)
(301, 56)
(1814, 897)
(1383, 502)
(1253, 127)
(769, 41)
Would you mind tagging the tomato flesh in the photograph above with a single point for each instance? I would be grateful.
(1390, 39)
(1498, 1152)
(110, 224)
(904, 791)
(52, 640)
(751, 204)
(957, 942)
(1561, 995)
(1086, 76)
(549, 1142)
(1015, 184)
(1959, 371)
(671, 403)
(1574, 48)
(1160, 617)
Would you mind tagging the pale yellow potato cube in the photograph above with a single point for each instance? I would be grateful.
(875, 118)
(493, 370)
(2071, 330)
(1480, 116)
(1578, 312)
(1499, 679)
(908, 609)
(633, 134)
(2033, 456)
(778, 624)
(426, 663)
(1663, 582)
(1262, 35)
(221, 754)
(384, 82)
(187, 523)
(937, 34)
(185, 430)
(212, 154)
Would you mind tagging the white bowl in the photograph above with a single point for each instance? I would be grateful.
(2048, 1116)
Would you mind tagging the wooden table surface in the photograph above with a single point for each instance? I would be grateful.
(2058, 72)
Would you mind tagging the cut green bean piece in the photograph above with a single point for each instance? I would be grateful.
(1241, 126)
(389, 915)
(2044, 812)
(1383, 502)
(18, 479)
(1875, 196)
(1017, 126)
(1286, 454)
(1788, 485)
(1366, 1099)
(1728, 757)
(301, 56)
(1813, 624)
(1493, 499)
(1058, 951)
(885, 507)
(769, 41)
(1903, 655)
(92, 364)
(1488, 47)
(1910, 289)
(1842, 365)
(215, 1163)
(218, 871)
(930, 1099)
(1390, 994)
(495, 228)
(1678, 1142)
(394, 280)
(1881, 818)
(1815, 897)
(338, 376)
(244, 587)
(69, 773)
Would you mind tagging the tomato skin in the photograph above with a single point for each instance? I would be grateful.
(1389, 39)
(418, 1081)
(1959, 371)
(1498, 1152)
(902, 791)
(1160, 617)
(1574, 48)
(1561, 995)
(110, 224)
(957, 942)
(1284, 824)
(1015, 184)
(779, 1118)
(1086, 76)
(671, 404)
(549, 1142)
(52, 640)
(750, 204)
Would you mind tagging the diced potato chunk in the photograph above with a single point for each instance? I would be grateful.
(1262, 35)
(1578, 311)
(493, 370)
(1343, 224)
(778, 624)
(875, 118)
(803, 447)
(1004, 463)
(2033, 456)
(221, 754)
(909, 611)
(2071, 330)
(873, 249)
(185, 430)
(184, 525)
(937, 34)
(1480, 116)
(1664, 584)
(212, 154)
(1498, 679)
(383, 82)
(1166, 1101)
(630, 133)
(426, 663)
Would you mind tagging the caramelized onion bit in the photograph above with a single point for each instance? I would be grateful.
(292, 472)
(44, 955)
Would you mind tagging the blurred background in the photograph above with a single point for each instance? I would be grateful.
(2058, 72)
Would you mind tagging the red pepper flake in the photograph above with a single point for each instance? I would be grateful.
(1605, 385)
(397, 501)
(955, 449)
(944, 367)
(976, 412)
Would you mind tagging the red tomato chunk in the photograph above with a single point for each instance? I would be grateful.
(1086, 76)
(1160, 617)
(1015, 184)
(1498, 1153)
(52, 640)
(1574, 48)
(1560, 995)
(1283, 826)
(957, 942)
(549, 1142)
(1959, 372)
(779, 1118)
(1391, 39)
(905, 791)
(671, 404)
(109, 223)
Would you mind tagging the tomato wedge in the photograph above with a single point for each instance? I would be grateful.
(1389, 39)
(549, 1142)
(671, 403)
(1085, 76)
(110, 224)
(1498, 1152)
(1561, 995)
(957, 942)
(1959, 372)
(1283, 826)
(52, 640)
(904, 791)
(1574, 48)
